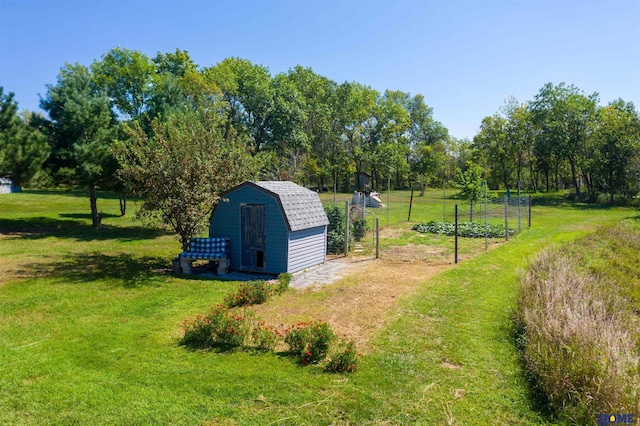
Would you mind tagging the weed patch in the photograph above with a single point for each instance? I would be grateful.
(284, 279)
(577, 340)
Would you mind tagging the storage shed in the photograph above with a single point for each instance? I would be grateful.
(273, 227)
(7, 187)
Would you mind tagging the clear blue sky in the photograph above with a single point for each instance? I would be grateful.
(465, 57)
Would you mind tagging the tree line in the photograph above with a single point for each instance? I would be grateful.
(112, 123)
(296, 125)
(562, 139)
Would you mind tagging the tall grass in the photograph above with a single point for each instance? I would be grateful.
(578, 340)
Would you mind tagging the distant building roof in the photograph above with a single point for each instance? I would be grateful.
(301, 207)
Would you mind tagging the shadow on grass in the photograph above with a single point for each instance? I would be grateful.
(80, 193)
(132, 271)
(86, 216)
(42, 227)
(569, 201)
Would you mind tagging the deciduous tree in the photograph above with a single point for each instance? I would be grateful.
(617, 141)
(181, 167)
(471, 185)
(127, 76)
(493, 141)
(565, 115)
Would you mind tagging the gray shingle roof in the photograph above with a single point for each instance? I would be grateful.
(302, 207)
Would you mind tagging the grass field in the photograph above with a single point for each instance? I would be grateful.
(90, 320)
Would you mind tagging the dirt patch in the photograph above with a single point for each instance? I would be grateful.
(388, 233)
(450, 365)
(355, 306)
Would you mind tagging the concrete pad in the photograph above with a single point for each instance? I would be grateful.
(321, 275)
(328, 273)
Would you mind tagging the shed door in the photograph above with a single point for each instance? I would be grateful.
(254, 231)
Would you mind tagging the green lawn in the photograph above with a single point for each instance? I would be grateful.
(89, 324)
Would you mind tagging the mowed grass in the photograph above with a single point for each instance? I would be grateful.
(89, 324)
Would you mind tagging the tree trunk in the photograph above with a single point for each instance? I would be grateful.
(574, 177)
(534, 177)
(546, 174)
(505, 181)
(96, 218)
(611, 188)
(184, 241)
(470, 212)
(123, 204)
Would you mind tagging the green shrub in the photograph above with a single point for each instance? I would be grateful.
(283, 282)
(343, 357)
(249, 293)
(220, 328)
(336, 218)
(335, 242)
(360, 228)
(576, 338)
(309, 341)
(465, 229)
(335, 230)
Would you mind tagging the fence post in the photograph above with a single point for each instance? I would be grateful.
(519, 215)
(506, 217)
(388, 196)
(456, 235)
(444, 201)
(377, 238)
(346, 228)
(486, 217)
(529, 213)
(410, 204)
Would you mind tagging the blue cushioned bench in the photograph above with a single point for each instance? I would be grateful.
(211, 249)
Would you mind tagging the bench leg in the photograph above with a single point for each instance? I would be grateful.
(223, 267)
(185, 265)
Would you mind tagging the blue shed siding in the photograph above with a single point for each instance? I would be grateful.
(226, 223)
(307, 248)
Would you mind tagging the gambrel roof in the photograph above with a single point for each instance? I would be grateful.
(300, 206)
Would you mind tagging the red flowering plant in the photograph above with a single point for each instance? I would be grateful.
(249, 293)
(343, 357)
(219, 328)
(197, 333)
(309, 341)
(265, 337)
